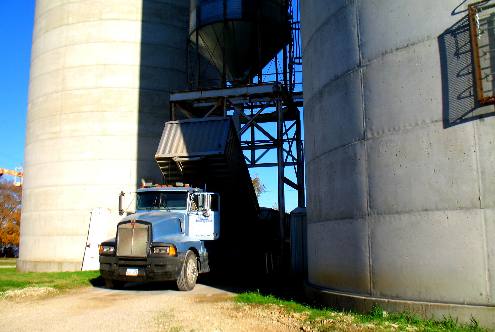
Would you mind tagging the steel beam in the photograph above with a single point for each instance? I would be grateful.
(266, 103)
(281, 175)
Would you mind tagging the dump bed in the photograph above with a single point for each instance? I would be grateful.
(206, 152)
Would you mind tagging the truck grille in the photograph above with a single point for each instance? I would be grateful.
(132, 239)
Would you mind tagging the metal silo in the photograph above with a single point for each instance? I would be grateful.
(239, 37)
(400, 204)
(101, 73)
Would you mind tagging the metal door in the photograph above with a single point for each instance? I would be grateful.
(204, 217)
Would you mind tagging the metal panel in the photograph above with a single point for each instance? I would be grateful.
(132, 240)
(193, 138)
(298, 241)
(231, 92)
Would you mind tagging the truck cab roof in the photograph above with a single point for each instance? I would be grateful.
(165, 188)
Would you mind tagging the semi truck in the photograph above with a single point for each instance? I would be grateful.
(210, 222)
(164, 239)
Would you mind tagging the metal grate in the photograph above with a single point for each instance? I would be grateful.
(132, 239)
(482, 26)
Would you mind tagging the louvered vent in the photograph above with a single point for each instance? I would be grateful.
(132, 240)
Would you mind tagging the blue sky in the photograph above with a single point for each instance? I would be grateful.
(16, 25)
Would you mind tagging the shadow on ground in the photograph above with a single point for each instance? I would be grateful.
(280, 285)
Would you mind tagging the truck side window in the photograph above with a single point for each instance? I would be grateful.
(214, 202)
(201, 202)
(198, 202)
(194, 202)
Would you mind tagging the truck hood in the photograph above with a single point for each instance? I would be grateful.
(154, 216)
(165, 224)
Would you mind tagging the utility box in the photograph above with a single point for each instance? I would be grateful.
(298, 241)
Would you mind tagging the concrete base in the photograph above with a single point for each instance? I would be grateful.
(45, 266)
(484, 315)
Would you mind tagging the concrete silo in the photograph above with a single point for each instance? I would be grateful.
(101, 72)
(401, 206)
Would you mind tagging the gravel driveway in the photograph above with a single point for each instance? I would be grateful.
(133, 309)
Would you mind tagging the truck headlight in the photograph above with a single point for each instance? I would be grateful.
(165, 250)
(106, 250)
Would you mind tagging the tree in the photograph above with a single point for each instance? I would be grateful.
(10, 213)
(259, 187)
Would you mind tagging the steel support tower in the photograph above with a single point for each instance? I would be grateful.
(266, 111)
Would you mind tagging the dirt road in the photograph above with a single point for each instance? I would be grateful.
(134, 309)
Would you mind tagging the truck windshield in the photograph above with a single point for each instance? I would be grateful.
(159, 200)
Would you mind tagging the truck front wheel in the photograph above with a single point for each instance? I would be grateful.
(189, 273)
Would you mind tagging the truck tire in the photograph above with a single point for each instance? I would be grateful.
(189, 273)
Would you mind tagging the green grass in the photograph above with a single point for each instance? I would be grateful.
(320, 318)
(11, 279)
(405, 319)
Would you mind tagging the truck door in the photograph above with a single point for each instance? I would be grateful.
(204, 216)
(101, 227)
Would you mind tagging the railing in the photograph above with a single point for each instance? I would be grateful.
(482, 26)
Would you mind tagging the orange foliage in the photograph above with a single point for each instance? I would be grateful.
(10, 213)
(259, 187)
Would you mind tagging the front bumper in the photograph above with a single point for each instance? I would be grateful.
(149, 268)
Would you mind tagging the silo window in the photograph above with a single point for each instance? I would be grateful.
(482, 26)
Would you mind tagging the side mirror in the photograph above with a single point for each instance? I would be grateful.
(121, 210)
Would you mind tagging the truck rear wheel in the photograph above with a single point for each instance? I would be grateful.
(189, 273)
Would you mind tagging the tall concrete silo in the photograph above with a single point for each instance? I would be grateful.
(101, 72)
(400, 205)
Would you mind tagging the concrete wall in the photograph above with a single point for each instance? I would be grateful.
(101, 72)
(400, 201)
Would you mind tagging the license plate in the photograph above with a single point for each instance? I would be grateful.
(132, 272)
